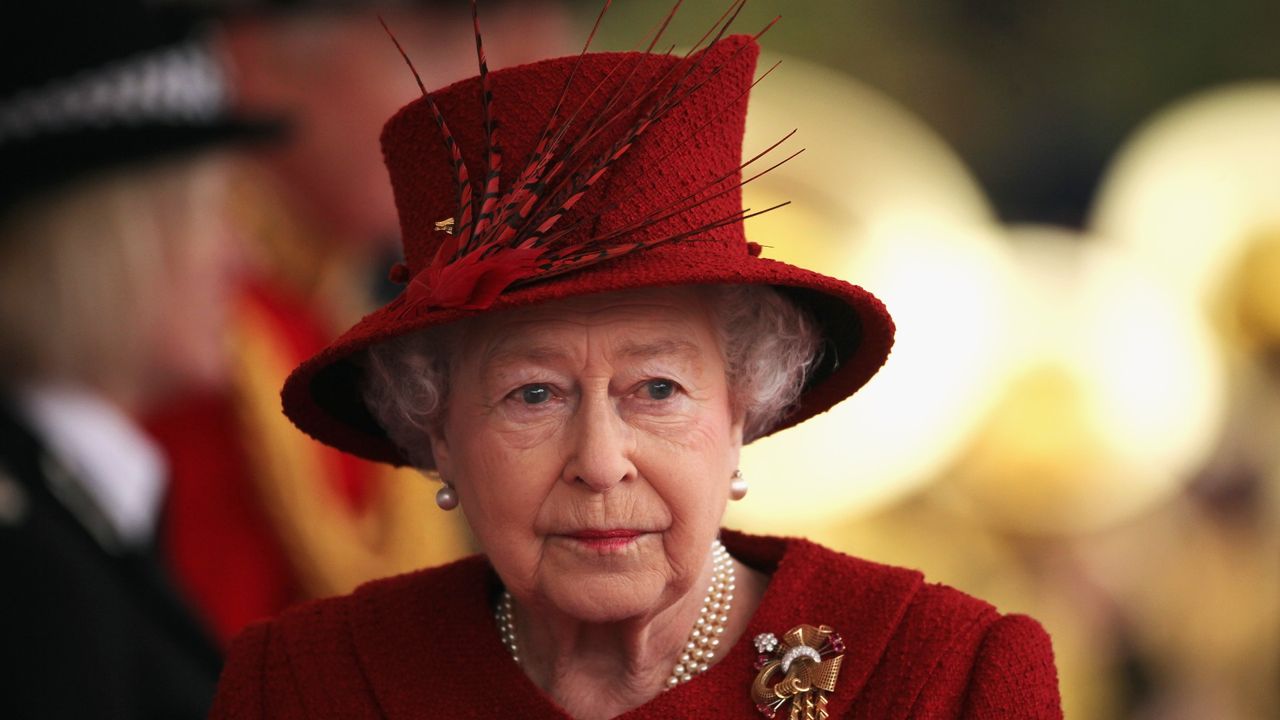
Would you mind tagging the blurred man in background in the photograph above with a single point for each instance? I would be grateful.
(260, 515)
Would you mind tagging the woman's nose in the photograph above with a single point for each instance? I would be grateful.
(601, 446)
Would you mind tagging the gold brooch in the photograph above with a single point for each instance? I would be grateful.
(808, 659)
(444, 226)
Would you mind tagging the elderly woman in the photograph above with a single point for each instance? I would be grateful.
(585, 342)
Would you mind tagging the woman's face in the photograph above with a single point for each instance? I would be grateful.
(199, 271)
(591, 443)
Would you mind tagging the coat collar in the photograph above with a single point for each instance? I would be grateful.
(117, 468)
(45, 503)
(428, 644)
(34, 476)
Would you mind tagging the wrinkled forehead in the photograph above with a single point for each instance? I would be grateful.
(673, 323)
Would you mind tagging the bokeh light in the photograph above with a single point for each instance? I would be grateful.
(1193, 186)
(1116, 399)
(884, 204)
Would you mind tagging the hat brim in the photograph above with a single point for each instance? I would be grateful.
(323, 397)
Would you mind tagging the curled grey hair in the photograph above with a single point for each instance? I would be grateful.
(769, 343)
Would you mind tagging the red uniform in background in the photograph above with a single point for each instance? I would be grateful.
(260, 516)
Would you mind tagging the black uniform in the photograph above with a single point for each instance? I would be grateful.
(89, 628)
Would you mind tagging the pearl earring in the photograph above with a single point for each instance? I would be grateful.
(737, 486)
(446, 497)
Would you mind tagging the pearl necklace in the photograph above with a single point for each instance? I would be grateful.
(704, 639)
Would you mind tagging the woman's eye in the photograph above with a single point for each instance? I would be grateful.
(660, 389)
(535, 394)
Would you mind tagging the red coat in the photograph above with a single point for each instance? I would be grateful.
(425, 645)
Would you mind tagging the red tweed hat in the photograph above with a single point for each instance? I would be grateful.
(572, 176)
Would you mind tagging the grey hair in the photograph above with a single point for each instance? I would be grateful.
(770, 346)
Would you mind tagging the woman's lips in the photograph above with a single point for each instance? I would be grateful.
(602, 534)
(605, 539)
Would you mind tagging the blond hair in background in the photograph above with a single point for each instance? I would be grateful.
(113, 282)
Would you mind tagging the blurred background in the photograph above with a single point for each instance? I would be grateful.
(1071, 209)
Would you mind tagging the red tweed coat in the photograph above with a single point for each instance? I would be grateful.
(424, 645)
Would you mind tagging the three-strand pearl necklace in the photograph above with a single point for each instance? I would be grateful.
(704, 639)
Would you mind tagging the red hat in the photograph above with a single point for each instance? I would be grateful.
(573, 176)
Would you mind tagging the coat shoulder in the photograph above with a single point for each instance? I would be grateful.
(307, 661)
(954, 655)
(926, 610)
(329, 617)
(1014, 674)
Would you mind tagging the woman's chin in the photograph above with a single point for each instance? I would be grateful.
(606, 593)
(603, 602)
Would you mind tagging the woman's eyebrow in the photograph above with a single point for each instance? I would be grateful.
(506, 353)
(664, 347)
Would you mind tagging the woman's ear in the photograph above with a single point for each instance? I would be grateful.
(440, 451)
(735, 439)
(737, 428)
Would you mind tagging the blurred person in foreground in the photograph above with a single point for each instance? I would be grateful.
(585, 340)
(115, 263)
(260, 515)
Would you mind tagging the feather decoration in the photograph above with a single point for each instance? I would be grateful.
(462, 219)
(693, 200)
(492, 149)
(516, 237)
(583, 181)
